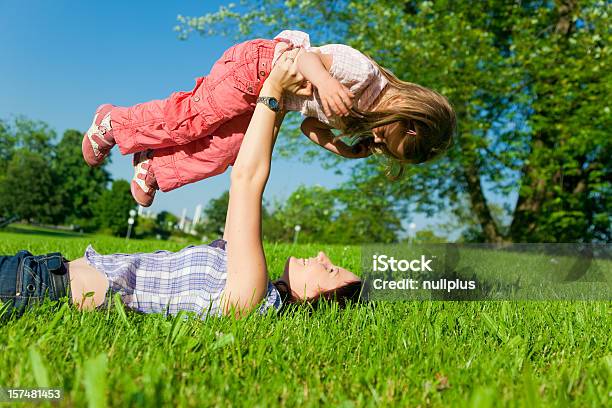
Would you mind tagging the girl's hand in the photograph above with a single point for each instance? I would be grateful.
(321, 134)
(305, 90)
(335, 97)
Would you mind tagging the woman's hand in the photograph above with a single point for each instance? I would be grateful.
(285, 76)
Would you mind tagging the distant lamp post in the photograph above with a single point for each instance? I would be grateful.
(297, 230)
(130, 224)
(412, 235)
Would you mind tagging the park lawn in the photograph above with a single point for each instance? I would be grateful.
(426, 353)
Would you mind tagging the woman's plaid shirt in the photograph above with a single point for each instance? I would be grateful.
(191, 279)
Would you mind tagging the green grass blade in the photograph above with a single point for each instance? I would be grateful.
(94, 380)
(41, 374)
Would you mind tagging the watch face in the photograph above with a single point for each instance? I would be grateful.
(273, 103)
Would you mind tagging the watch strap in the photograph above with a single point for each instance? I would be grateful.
(267, 100)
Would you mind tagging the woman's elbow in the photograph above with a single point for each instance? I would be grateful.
(240, 174)
(254, 177)
(240, 306)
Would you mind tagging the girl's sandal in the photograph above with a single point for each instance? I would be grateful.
(98, 140)
(144, 185)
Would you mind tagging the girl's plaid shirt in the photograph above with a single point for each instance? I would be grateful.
(191, 279)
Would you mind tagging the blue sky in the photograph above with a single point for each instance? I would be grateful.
(61, 59)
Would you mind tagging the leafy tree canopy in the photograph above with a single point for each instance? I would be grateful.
(80, 185)
(112, 210)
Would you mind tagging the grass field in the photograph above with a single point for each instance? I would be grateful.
(426, 353)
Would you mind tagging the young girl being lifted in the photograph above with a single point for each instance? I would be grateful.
(194, 135)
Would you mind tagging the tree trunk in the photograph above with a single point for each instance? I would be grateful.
(534, 192)
(479, 204)
(471, 175)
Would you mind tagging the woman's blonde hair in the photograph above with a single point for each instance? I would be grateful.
(417, 108)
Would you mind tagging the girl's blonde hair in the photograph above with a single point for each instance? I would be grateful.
(420, 109)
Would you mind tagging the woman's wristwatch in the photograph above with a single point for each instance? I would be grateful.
(270, 101)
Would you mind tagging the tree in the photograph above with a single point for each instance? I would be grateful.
(28, 188)
(366, 216)
(565, 193)
(162, 226)
(165, 223)
(325, 216)
(337, 216)
(7, 145)
(81, 186)
(313, 209)
(28, 185)
(430, 237)
(145, 227)
(273, 229)
(526, 79)
(214, 216)
(112, 210)
(32, 135)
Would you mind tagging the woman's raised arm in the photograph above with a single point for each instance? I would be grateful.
(247, 275)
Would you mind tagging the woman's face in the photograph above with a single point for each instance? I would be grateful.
(307, 277)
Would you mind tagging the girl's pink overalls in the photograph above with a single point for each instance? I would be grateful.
(197, 134)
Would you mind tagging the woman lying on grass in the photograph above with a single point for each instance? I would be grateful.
(210, 279)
